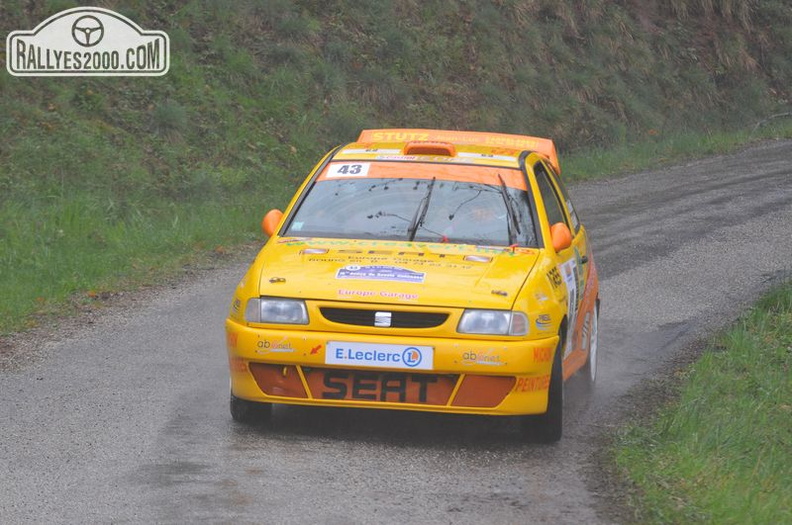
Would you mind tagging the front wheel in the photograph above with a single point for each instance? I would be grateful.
(249, 412)
(548, 427)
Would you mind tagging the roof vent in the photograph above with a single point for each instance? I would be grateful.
(429, 147)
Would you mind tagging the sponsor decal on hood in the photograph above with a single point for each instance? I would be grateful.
(385, 272)
(380, 273)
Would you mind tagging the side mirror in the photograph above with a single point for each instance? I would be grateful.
(270, 222)
(560, 236)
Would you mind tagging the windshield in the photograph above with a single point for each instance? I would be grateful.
(430, 210)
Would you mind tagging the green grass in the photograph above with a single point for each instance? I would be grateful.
(720, 453)
(657, 151)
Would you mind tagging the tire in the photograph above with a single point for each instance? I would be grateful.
(548, 427)
(249, 412)
(589, 370)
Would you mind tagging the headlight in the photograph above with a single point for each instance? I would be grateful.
(493, 322)
(273, 310)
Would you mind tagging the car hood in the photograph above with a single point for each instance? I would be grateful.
(377, 272)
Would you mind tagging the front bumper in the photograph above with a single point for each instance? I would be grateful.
(467, 376)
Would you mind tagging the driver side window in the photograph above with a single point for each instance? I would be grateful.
(549, 197)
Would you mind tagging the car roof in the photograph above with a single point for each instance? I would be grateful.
(447, 146)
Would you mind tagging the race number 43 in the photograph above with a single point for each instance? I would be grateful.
(359, 169)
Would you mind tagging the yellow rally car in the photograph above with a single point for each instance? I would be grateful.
(442, 271)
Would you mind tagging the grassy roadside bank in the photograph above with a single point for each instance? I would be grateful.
(720, 451)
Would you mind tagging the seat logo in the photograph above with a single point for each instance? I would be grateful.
(382, 319)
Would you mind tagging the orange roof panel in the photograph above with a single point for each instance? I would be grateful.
(543, 146)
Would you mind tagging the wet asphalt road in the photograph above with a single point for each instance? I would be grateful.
(125, 420)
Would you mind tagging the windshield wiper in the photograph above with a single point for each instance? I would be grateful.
(420, 213)
(511, 223)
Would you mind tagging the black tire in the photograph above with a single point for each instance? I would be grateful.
(548, 427)
(589, 370)
(249, 412)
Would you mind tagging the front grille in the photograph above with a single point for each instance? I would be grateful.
(358, 317)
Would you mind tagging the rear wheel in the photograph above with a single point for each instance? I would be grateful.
(547, 427)
(249, 412)
(590, 368)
